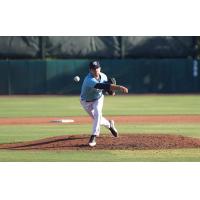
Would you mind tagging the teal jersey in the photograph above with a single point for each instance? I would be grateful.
(88, 92)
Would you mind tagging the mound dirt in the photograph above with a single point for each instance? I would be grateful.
(106, 142)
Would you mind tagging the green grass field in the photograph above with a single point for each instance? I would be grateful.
(63, 106)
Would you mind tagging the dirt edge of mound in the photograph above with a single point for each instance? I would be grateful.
(106, 142)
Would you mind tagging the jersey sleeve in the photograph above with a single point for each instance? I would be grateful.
(91, 83)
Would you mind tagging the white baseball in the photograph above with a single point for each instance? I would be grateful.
(76, 78)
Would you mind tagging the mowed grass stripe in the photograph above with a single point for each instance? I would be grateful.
(60, 106)
(170, 155)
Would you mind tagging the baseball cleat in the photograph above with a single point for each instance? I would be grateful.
(112, 128)
(92, 141)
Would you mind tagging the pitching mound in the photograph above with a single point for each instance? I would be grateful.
(106, 142)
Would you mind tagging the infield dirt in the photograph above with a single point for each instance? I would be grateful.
(118, 119)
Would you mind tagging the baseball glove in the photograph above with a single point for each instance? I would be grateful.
(111, 81)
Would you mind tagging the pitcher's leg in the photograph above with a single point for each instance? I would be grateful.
(98, 118)
(92, 109)
(88, 108)
(109, 124)
(105, 122)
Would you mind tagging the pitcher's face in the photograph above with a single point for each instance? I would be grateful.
(95, 72)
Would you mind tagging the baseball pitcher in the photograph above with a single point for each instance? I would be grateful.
(93, 88)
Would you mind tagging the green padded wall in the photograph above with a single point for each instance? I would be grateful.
(139, 75)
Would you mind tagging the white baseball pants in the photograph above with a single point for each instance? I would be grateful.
(94, 109)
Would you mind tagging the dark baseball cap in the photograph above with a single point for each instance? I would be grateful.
(94, 64)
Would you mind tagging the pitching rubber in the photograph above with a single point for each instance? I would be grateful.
(63, 121)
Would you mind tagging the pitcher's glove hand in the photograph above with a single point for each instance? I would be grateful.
(111, 81)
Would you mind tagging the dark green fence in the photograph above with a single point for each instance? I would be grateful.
(139, 75)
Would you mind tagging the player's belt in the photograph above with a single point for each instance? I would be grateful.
(93, 99)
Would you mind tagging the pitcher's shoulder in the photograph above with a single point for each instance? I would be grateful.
(103, 76)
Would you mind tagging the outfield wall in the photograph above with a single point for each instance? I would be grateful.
(139, 75)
